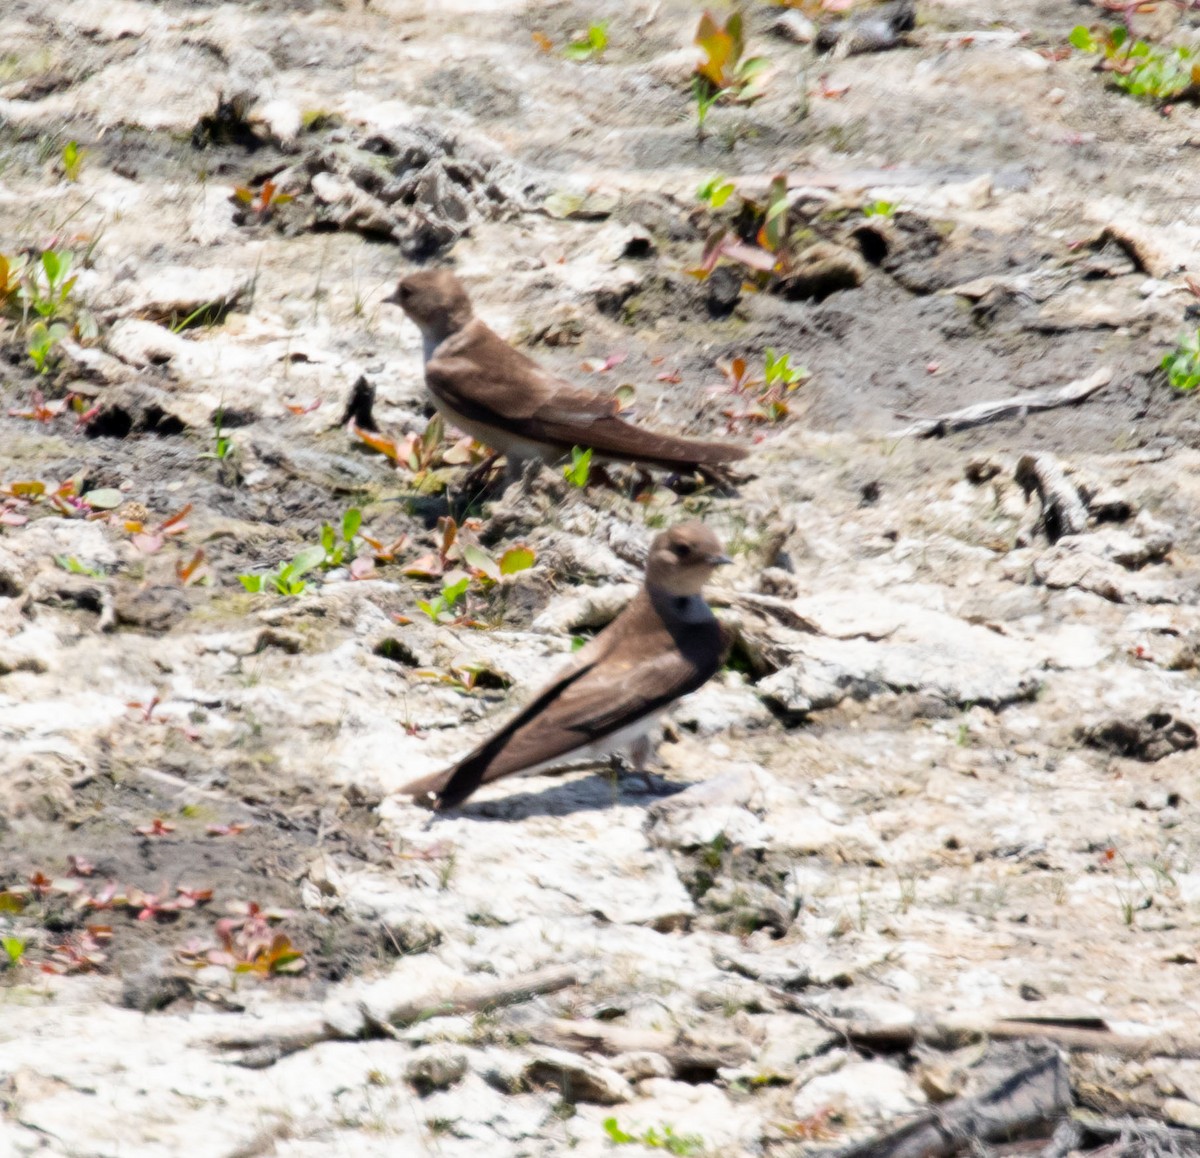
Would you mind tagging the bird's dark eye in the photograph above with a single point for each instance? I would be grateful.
(405, 292)
(683, 551)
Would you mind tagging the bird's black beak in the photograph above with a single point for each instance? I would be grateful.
(393, 299)
(719, 560)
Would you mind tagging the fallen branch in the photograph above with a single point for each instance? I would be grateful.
(686, 1053)
(264, 1050)
(954, 1033)
(984, 412)
(1032, 1096)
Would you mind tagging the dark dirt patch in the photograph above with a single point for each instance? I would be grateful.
(262, 865)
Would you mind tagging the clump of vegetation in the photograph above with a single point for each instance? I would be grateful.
(340, 551)
(462, 565)
(886, 209)
(716, 191)
(589, 44)
(768, 395)
(420, 454)
(287, 578)
(37, 294)
(71, 160)
(753, 234)
(579, 469)
(1139, 68)
(655, 1138)
(1182, 365)
(222, 446)
(725, 72)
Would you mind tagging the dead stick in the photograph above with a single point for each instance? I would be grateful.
(265, 1050)
(952, 1034)
(984, 412)
(684, 1052)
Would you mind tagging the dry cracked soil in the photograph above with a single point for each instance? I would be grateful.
(931, 831)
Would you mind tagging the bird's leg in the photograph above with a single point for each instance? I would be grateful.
(477, 476)
(635, 763)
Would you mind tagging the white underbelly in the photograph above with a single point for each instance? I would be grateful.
(511, 445)
(601, 749)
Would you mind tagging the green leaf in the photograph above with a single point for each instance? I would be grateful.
(351, 521)
(453, 592)
(305, 561)
(14, 949)
(1081, 38)
(252, 583)
(70, 563)
(516, 559)
(615, 1132)
(328, 540)
(104, 499)
(581, 467)
(1118, 36)
(52, 264)
(478, 558)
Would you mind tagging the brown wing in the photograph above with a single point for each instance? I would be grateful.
(516, 393)
(621, 685)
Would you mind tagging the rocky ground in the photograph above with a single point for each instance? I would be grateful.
(939, 808)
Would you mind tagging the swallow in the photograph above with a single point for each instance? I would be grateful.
(664, 644)
(497, 395)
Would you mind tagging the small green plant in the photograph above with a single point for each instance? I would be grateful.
(441, 609)
(724, 70)
(770, 393)
(72, 160)
(1182, 365)
(579, 470)
(47, 292)
(715, 192)
(1139, 68)
(222, 446)
(778, 370)
(339, 552)
(75, 567)
(14, 950)
(590, 43)
(880, 209)
(655, 1138)
(287, 578)
(705, 96)
(41, 341)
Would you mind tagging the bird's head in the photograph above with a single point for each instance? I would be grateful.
(683, 559)
(436, 300)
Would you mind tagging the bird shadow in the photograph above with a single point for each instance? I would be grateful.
(590, 794)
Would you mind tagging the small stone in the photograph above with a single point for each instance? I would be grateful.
(871, 1091)
(435, 1067)
(638, 1065)
(1182, 1112)
(577, 1079)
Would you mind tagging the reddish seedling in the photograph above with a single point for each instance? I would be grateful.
(263, 203)
(156, 828)
(248, 944)
(79, 953)
(234, 829)
(603, 365)
(42, 411)
(191, 571)
(304, 407)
